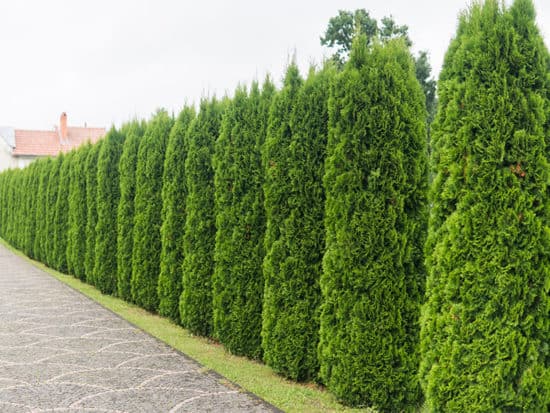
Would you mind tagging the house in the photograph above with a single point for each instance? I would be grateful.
(19, 147)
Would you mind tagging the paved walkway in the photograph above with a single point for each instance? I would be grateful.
(62, 352)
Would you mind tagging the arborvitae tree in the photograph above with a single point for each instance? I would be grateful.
(3, 203)
(91, 213)
(51, 194)
(61, 215)
(7, 201)
(174, 191)
(148, 207)
(76, 242)
(108, 195)
(292, 294)
(24, 206)
(200, 230)
(485, 326)
(125, 213)
(7, 212)
(240, 221)
(42, 211)
(276, 190)
(14, 207)
(375, 182)
(32, 190)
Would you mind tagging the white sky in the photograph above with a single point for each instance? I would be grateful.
(106, 61)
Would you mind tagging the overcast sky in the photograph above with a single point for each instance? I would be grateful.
(106, 61)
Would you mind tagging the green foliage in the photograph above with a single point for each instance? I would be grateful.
(51, 198)
(341, 31)
(486, 325)
(108, 195)
(31, 193)
(174, 194)
(76, 237)
(276, 161)
(148, 206)
(343, 28)
(125, 212)
(292, 293)
(375, 181)
(61, 214)
(91, 213)
(200, 231)
(41, 210)
(237, 281)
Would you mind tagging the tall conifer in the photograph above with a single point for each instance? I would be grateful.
(291, 308)
(174, 194)
(108, 195)
(148, 206)
(42, 210)
(485, 326)
(51, 199)
(240, 221)
(200, 229)
(125, 211)
(375, 181)
(76, 241)
(277, 190)
(62, 214)
(91, 213)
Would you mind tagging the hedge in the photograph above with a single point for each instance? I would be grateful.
(292, 225)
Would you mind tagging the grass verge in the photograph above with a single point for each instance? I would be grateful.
(254, 377)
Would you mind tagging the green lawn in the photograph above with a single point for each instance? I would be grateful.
(252, 376)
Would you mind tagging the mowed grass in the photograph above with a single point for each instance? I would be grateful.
(253, 376)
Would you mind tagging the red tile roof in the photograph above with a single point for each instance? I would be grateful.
(44, 143)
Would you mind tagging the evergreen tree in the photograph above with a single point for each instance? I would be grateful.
(91, 213)
(485, 325)
(174, 193)
(42, 210)
(148, 207)
(51, 199)
(200, 230)
(240, 221)
(61, 214)
(375, 182)
(32, 173)
(14, 207)
(125, 212)
(108, 195)
(76, 241)
(276, 190)
(292, 295)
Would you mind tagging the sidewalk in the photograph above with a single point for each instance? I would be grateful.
(61, 351)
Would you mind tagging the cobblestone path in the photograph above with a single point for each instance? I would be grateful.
(62, 352)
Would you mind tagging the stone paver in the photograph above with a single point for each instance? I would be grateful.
(62, 352)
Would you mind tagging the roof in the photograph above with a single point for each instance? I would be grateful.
(44, 143)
